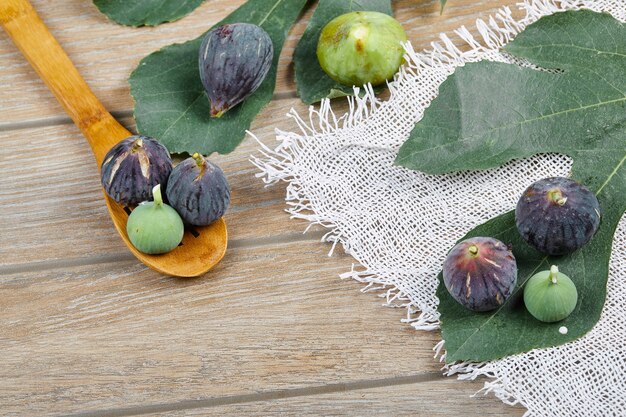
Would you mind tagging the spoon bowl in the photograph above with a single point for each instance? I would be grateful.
(201, 248)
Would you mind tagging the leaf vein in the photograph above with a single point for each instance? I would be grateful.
(542, 117)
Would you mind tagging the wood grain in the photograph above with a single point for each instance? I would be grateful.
(85, 329)
(59, 193)
(435, 398)
(106, 53)
(52, 65)
(117, 336)
(200, 249)
(267, 318)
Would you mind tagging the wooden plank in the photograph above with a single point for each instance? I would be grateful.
(106, 53)
(52, 205)
(118, 335)
(111, 335)
(445, 397)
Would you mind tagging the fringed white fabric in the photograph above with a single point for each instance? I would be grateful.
(399, 224)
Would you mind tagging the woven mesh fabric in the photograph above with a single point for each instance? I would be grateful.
(399, 224)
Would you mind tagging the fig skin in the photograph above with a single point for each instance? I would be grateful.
(154, 227)
(557, 215)
(363, 47)
(480, 273)
(132, 168)
(198, 190)
(550, 296)
(234, 60)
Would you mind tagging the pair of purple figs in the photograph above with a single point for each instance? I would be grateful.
(196, 188)
(556, 216)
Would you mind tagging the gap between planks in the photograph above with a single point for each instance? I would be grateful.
(119, 114)
(245, 243)
(265, 396)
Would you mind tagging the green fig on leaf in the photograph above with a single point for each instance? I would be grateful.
(361, 47)
(550, 296)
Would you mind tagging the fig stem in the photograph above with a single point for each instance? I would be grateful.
(554, 272)
(198, 158)
(138, 144)
(473, 250)
(156, 194)
(557, 197)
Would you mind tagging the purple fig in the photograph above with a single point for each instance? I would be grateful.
(198, 190)
(557, 215)
(133, 167)
(234, 60)
(480, 273)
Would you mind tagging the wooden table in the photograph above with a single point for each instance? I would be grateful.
(86, 330)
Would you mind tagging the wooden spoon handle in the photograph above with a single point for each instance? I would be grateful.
(46, 56)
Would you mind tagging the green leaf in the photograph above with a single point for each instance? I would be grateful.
(171, 104)
(312, 83)
(442, 3)
(146, 12)
(489, 113)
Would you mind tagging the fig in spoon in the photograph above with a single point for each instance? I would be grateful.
(202, 248)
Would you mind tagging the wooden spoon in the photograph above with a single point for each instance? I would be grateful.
(197, 254)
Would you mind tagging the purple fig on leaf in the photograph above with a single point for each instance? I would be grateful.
(234, 60)
(557, 215)
(480, 273)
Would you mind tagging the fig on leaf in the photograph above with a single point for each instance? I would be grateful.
(550, 296)
(480, 273)
(234, 60)
(557, 215)
(362, 47)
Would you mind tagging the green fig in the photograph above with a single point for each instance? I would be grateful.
(154, 227)
(361, 47)
(550, 296)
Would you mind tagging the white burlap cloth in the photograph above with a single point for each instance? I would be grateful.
(399, 224)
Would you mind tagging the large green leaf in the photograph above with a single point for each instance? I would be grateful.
(312, 83)
(146, 12)
(489, 113)
(171, 104)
